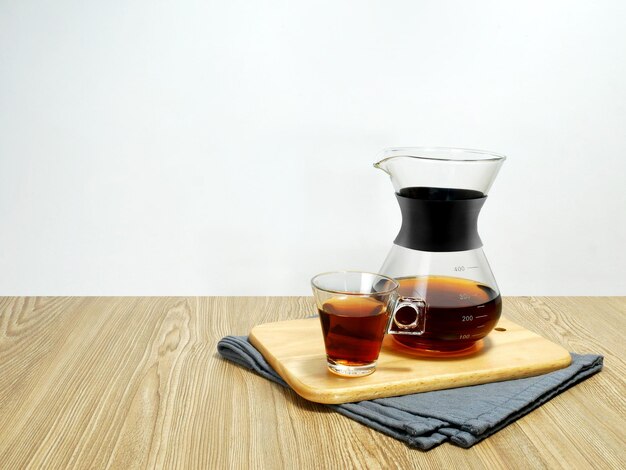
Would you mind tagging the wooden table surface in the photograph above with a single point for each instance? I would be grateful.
(137, 383)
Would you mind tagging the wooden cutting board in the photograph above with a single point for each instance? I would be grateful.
(295, 349)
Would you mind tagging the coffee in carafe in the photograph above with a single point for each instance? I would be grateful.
(459, 313)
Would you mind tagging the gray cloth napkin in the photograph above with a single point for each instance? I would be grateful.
(462, 416)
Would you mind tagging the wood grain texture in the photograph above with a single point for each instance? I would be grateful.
(137, 383)
(295, 349)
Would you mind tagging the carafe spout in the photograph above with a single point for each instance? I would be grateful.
(381, 165)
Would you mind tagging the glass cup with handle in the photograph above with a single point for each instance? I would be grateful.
(356, 310)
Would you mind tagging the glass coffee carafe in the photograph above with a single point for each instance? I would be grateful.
(437, 257)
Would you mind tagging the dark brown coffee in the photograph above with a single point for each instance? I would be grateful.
(353, 329)
(459, 312)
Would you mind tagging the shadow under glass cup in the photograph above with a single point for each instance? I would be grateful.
(354, 310)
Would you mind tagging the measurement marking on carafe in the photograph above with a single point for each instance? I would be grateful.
(481, 316)
(463, 268)
(468, 336)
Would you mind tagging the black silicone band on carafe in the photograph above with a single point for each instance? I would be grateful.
(439, 225)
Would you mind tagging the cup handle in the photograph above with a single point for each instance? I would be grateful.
(408, 324)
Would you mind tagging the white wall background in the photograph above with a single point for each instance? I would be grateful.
(226, 148)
